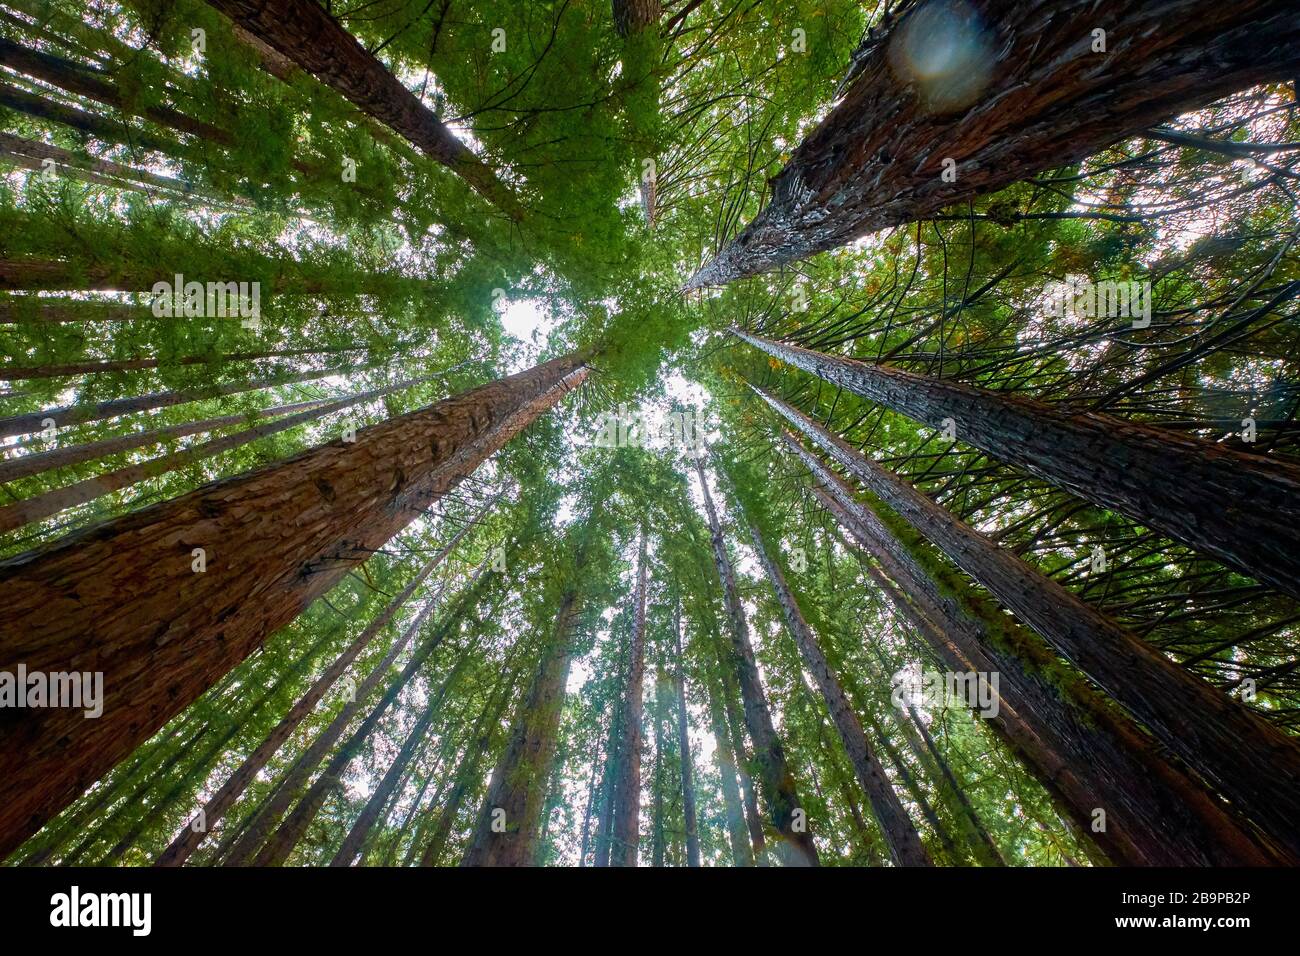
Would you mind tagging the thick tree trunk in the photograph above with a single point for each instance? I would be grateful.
(905, 847)
(1084, 749)
(123, 598)
(627, 791)
(304, 32)
(182, 783)
(1021, 91)
(510, 819)
(784, 811)
(684, 748)
(633, 16)
(49, 503)
(187, 842)
(1242, 509)
(1244, 757)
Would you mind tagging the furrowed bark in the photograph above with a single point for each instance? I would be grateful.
(187, 842)
(1240, 754)
(905, 847)
(1032, 96)
(122, 598)
(627, 792)
(1242, 509)
(779, 792)
(304, 32)
(1086, 751)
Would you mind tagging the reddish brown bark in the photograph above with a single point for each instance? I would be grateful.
(122, 598)
(304, 32)
(52, 502)
(876, 160)
(187, 841)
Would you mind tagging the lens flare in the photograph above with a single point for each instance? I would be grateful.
(943, 50)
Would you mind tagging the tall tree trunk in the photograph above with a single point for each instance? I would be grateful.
(659, 842)
(593, 793)
(1020, 90)
(41, 506)
(510, 819)
(605, 823)
(82, 81)
(109, 130)
(98, 411)
(977, 835)
(633, 16)
(782, 800)
(98, 366)
(1244, 757)
(122, 598)
(743, 762)
(1084, 749)
(684, 747)
(187, 842)
(275, 848)
(905, 847)
(304, 32)
(35, 463)
(742, 854)
(354, 842)
(467, 774)
(627, 791)
(1243, 509)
